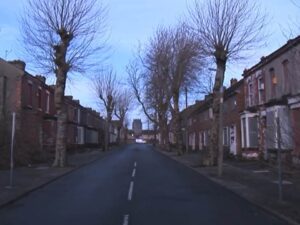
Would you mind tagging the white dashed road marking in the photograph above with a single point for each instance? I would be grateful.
(126, 219)
(133, 173)
(130, 191)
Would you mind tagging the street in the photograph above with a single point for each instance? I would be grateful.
(134, 186)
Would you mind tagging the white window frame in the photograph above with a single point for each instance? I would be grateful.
(246, 116)
(250, 94)
(261, 87)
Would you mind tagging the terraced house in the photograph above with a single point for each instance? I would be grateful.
(261, 112)
(32, 100)
(272, 90)
(200, 120)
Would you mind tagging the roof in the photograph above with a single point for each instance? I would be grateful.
(265, 60)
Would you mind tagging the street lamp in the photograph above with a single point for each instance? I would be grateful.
(220, 142)
(186, 121)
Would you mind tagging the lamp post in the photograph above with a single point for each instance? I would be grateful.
(186, 122)
(279, 161)
(12, 150)
(220, 142)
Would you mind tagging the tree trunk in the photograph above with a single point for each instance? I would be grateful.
(177, 120)
(118, 135)
(61, 70)
(166, 142)
(61, 134)
(106, 136)
(211, 156)
(164, 135)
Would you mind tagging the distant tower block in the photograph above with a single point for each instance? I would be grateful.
(137, 127)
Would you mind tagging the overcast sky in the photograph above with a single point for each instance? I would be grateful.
(132, 21)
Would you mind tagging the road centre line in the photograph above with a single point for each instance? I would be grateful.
(126, 219)
(135, 164)
(133, 173)
(130, 191)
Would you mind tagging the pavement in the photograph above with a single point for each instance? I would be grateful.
(28, 179)
(255, 181)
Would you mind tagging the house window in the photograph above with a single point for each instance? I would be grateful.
(200, 141)
(47, 101)
(286, 78)
(80, 135)
(253, 132)
(261, 90)
(233, 103)
(249, 131)
(250, 94)
(39, 98)
(204, 133)
(75, 114)
(286, 134)
(244, 132)
(226, 140)
(273, 82)
(29, 95)
(78, 115)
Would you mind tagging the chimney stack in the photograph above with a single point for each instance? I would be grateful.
(41, 78)
(19, 64)
(233, 81)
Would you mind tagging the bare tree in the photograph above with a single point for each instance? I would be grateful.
(185, 64)
(123, 102)
(106, 88)
(291, 28)
(149, 80)
(152, 91)
(205, 83)
(227, 30)
(60, 36)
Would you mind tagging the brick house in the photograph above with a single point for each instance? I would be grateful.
(199, 125)
(10, 95)
(33, 102)
(184, 117)
(200, 121)
(272, 90)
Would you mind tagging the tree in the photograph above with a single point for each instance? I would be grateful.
(106, 88)
(149, 77)
(205, 83)
(291, 29)
(123, 102)
(153, 94)
(185, 64)
(227, 30)
(60, 36)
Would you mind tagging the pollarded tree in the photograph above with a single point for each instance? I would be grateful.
(153, 94)
(106, 89)
(60, 36)
(123, 103)
(149, 77)
(227, 30)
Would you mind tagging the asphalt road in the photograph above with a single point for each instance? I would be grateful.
(134, 186)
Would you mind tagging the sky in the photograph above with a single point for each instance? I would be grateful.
(131, 22)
